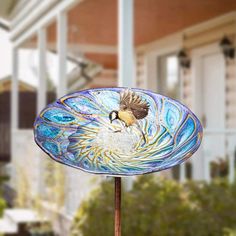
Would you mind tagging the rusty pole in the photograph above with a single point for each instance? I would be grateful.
(117, 228)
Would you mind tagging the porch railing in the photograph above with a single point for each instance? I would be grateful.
(219, 143)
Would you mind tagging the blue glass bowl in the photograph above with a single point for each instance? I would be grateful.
(76, 130)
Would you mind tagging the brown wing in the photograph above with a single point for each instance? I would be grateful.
(129, 100)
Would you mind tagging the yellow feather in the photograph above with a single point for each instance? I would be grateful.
(127, 117)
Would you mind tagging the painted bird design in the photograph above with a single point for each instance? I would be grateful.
(132, 108)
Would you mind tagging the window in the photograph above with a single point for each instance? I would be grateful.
(168, 82)
(172, 77)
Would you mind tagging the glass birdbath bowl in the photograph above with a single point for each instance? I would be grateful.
(118, 132)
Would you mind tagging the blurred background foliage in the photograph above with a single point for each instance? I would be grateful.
(2, 201)
(2, 205)
(157, 206)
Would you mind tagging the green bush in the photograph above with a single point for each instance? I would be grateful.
(160, 207)
(2, 201)
(229, 232)
(2, 206)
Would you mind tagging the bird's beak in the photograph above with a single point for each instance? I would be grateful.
(111, 121)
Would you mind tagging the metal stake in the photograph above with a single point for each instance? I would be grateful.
(117, 228)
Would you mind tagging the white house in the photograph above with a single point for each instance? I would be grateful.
(132, 43)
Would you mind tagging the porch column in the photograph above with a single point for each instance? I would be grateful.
(182, 174)
(126, 54)
(126, 64)
(198, 160)
(41, 95)
(14, 90)
(206, 168)
(61, 51)
(42, 43)
(70, 202)
(231, 166)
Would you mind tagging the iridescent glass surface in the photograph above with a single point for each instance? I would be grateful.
(76, 130)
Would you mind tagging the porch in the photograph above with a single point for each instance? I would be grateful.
(64, 46)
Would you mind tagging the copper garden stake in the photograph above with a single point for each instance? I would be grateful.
(117, 228)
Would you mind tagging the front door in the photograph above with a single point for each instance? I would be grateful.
(213, 110)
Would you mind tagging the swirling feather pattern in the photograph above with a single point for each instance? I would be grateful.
(75, 130)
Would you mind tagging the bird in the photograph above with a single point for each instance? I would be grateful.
(132, 108)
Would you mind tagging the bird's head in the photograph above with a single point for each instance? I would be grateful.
(113, 115)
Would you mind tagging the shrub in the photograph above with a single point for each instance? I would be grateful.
(2, 206)
(156, 206)
(2, 201)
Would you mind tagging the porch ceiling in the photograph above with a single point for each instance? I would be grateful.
(154, 19)
(96, 21)
(108, 61)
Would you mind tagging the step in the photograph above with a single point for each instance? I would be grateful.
(18, 216)
(7, 227)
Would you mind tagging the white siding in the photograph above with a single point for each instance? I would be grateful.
(231, 94)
